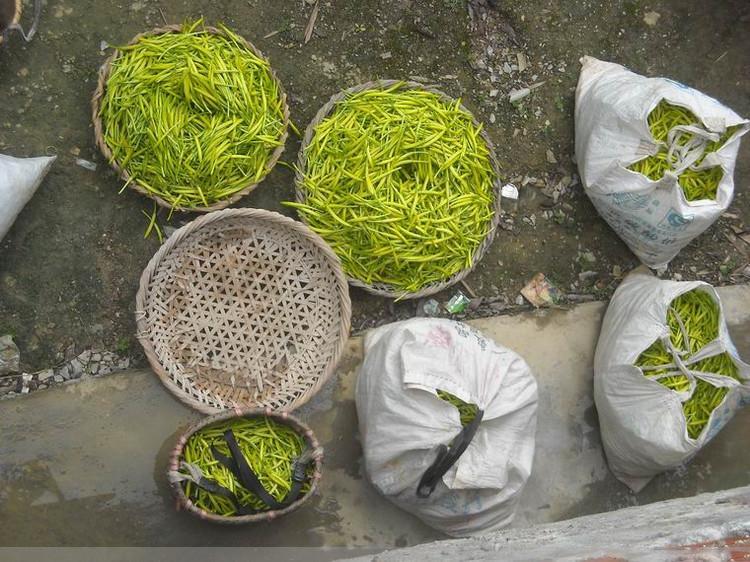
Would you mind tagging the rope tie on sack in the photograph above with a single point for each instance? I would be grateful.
(681, 359)
(685, 155)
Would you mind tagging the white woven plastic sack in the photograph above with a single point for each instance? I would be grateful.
(402, 422)
(19, 180)
(642, 423)
(611, 128)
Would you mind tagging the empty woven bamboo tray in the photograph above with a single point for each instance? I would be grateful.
(243, 308)
(96, 104)
(383, 289)
(311, 444)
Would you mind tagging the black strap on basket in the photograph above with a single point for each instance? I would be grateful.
(241, 470)
(217, 489)
(447, 457)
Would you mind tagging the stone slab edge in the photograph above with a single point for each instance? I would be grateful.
(667, 530)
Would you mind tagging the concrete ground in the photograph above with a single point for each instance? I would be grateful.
(701, 528)
(84, 464)
(69, 268)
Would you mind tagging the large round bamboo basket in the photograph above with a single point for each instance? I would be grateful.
(243, 308)
(382, 289)
(107, 152)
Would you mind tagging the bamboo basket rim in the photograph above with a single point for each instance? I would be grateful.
(123, 173)
(382, 289)
(183, 502)
(16, 17)
(171, 371)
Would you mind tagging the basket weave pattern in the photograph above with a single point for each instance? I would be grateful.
(243, 307)
(125, 176)
(383, 289)
(301, 428)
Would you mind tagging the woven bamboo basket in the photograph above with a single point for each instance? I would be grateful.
(183, 502)
(124, 175)
(10, 13)
(382, 289)
(243, 308)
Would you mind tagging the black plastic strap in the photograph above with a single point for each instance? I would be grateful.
(447, 457)
(219, 490)
(299, 475)
(242, 471)
(239, 466)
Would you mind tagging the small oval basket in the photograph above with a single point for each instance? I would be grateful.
(243, 308)
(382, 289)
(314, 469)
(124, 175)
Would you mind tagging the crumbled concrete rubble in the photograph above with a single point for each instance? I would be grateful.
(89, 363)
(10, 357)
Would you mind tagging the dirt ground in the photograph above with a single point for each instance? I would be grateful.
(69, 268)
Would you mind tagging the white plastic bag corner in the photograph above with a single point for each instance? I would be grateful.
(19, 180)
